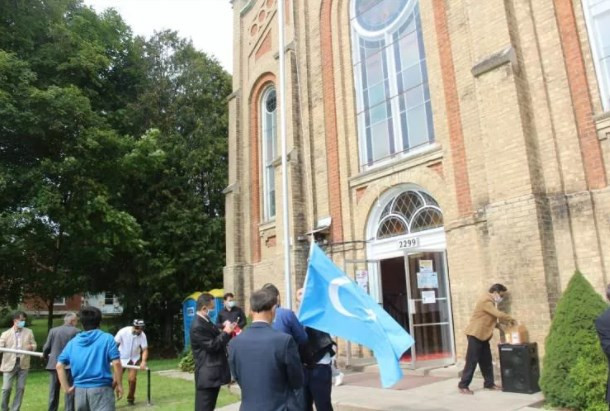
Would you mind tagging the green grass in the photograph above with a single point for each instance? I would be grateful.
(169, 394)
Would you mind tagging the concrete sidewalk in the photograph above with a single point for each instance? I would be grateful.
(361, 392)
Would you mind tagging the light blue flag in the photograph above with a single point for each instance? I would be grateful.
(333, 303)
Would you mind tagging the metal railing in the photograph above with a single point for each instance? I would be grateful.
(129, 367)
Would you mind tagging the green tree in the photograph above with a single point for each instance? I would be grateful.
(61, 179)
(571, 346)
(180, 205)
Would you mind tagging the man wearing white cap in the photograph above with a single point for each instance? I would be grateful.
(132, 345)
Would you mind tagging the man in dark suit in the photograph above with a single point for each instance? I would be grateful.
(57, 340)
(209, 346)
(264, 361)
(602, 324)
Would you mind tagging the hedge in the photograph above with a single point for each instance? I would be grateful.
(574, 366)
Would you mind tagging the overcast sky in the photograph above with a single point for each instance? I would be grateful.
(209, 23)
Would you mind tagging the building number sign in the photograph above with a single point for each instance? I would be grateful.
(408, 243)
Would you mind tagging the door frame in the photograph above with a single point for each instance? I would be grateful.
(411, 310)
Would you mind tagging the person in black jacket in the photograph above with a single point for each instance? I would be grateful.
(602, 324)
(264, 361)
(317, 357)
(231, 313)
(209, 346)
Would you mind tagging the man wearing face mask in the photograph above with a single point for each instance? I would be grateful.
(132, 342)
(209, 346)
(231, 313)
(479, 331)
(15, 366)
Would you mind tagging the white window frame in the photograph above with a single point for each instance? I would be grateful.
(592, 11)
(386, 34)
(113, 298)
(267, 163)
(59, 301)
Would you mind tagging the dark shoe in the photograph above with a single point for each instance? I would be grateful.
(131, 402)
(466, 391)
(494, 388)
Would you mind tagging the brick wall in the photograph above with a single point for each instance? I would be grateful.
(517, 166)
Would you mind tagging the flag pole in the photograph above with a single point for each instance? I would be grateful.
(282, 98)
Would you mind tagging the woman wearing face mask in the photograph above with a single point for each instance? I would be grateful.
(231, 313)
(479, 332)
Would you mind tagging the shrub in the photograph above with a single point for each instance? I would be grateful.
(588, 378)
(187, 363)
(572, 348)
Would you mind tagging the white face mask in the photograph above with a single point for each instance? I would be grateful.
(231, 304)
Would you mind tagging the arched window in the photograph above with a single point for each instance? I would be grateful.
(409, 212)
(393, 100)
(269, 148)
(597, 13)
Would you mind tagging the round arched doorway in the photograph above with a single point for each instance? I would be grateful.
(409, 273)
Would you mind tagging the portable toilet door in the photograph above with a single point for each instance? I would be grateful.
(189, 308)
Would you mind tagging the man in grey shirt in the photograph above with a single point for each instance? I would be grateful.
(56, 341)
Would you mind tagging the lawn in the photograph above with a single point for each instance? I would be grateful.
(167, 393)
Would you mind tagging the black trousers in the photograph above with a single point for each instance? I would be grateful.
(205, 399)
(318, 386)
(55, 388)
(478, 353)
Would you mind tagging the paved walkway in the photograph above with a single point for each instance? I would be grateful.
(361, 392)
(434, 391)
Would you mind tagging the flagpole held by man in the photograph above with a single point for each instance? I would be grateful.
(333, 303)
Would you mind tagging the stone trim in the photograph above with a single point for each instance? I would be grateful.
(231, 188)
(244, 10)
(602, 124)
(494, 61)
(233, 95)
(432, 154)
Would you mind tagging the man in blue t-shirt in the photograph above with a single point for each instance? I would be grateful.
(89, 355)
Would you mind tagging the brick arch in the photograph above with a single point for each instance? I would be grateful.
(258, 88)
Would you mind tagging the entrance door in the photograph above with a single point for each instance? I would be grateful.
(429, 307)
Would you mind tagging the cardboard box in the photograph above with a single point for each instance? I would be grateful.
(516, 334)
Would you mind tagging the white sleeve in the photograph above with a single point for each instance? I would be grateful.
(144, 341)
(118, 338)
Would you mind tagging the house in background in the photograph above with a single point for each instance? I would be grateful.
(107, 302)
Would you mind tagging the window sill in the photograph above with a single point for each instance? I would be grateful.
(429, 154)
(266, 226)
(602, 125)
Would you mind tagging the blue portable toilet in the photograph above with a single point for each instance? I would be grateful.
(189, 308)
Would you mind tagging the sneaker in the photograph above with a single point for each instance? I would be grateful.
(339, 379)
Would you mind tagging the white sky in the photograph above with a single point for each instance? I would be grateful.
(209, 23)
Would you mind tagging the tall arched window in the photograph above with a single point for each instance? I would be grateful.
(597, 13)
(269, 148)
(391, 79)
